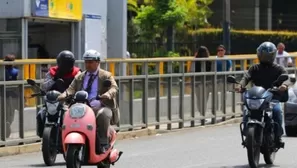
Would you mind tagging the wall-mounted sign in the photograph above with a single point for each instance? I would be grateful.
(40, 8)
(59, 9)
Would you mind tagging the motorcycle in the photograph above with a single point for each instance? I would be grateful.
(80, 138)
(260, 127)
(51, 137)
(290, 114)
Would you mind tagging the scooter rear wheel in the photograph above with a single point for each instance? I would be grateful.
(103, 166)
(72, 156)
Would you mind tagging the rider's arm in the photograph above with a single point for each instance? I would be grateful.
(247, 76)
(71, 89)
(283, 71)
(48, 82)
(113, 88)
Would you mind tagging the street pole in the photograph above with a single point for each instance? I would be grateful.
(226, 25)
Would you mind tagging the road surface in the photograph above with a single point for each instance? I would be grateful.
(214, 147)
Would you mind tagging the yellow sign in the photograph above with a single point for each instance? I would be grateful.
(65, 9)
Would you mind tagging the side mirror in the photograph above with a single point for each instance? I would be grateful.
(282, 78)
(107, 83)
(31, 82)
(231, 79)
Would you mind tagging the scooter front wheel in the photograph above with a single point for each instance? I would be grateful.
(72, 156)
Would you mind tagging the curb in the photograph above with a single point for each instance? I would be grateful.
(35, 147)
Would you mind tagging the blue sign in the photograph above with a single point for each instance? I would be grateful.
(97, 17)
(40, 8)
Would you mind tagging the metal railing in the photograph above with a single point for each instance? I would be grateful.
(169, 95)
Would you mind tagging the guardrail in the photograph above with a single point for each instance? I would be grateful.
(147, 99)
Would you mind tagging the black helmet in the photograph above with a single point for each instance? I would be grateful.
(266, 53)
(65, 60)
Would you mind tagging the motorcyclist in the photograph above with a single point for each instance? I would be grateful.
(264, 74)
(91, 81)
(64, 70)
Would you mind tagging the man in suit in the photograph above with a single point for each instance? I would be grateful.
(91, 80)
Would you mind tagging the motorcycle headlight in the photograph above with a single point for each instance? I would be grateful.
(77, 110)
(254, 104)
(52, 108)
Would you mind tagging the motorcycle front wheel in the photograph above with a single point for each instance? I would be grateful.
(269, 152)
(49, 150)
(253, 149)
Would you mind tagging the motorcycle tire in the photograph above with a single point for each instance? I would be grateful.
(269, 155)
(103, 166)
(253, 151)
(72, 160)
(49, 151)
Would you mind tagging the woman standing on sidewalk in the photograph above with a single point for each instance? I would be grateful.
(202, 66)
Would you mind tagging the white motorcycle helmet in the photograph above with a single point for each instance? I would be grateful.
(92, 55)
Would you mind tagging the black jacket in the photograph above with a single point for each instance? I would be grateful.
(198, 66)
(263, 75)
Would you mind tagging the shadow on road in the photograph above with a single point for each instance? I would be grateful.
(43, 165)
(247, 166)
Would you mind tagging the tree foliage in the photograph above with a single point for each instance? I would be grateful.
(155, 16)
(132, 5)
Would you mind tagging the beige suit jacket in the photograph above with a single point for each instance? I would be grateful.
(77, 85)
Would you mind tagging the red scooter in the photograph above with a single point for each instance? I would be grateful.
(79, 136)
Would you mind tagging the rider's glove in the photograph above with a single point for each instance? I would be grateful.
(283, 88)
(61, 97)
(238, 88)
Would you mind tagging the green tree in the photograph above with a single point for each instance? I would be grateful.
(159, 18)
(132, 5)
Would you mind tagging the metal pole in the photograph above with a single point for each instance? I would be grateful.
(226, 26)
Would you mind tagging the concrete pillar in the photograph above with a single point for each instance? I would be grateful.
(117, 31)
(24, 38)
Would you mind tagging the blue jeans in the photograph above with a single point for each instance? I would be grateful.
(277, 117)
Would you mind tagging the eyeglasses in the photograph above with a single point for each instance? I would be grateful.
(220, 50)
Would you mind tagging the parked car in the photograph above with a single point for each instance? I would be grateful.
(291, 109)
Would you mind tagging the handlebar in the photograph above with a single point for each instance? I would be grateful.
(42, 93)
(274, 89)
(35, 94)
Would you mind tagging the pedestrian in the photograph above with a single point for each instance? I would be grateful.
(12, 96)
(222, 65)
(197, 66)
(282, 57)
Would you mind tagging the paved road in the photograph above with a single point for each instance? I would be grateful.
(216, 147)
